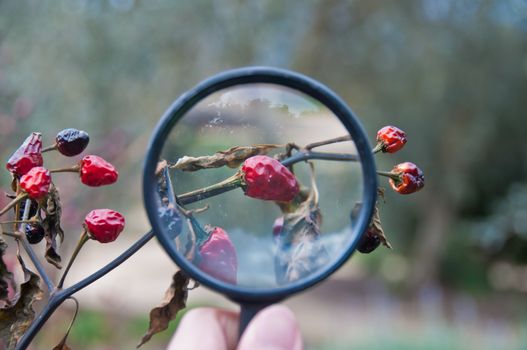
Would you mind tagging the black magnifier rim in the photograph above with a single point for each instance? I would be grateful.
(250, 75)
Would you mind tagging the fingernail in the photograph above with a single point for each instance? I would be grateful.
(273, 328)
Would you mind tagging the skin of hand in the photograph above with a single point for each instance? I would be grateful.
(273, 328)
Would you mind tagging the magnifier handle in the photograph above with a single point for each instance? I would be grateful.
(247, 312)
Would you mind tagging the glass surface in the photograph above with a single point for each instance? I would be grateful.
(254, 242)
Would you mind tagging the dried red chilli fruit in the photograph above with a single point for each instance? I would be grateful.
(104, 225)
(36, 182)
(390, 139)
(95, 171)
(71, 142)
(409, 178)
(266, 178)
(217, 256)
(27, 156)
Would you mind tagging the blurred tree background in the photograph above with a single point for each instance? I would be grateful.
(451, 73)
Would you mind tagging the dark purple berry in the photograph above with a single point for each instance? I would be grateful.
(171, 219)
(368, 243)
(32, 209)
(34, 233)
(71, 142)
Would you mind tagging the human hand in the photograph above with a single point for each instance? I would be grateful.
(273, 328)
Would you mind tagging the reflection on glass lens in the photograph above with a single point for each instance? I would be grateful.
(256, 184)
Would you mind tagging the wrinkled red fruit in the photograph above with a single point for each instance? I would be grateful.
(36, 182)
(266, 178)
(71, 142)
(95, 171)
(104, 225)
(27, 156)
(369, 242)
(410, 178)
(391, 139)
(217, 256)
(34, 233)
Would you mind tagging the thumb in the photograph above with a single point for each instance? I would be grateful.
(273, 328)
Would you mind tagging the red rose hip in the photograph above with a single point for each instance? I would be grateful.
(217, 256)
(27, 156)
(104, 225)
(390, 139)
(266, 178)
(409, 178)
(36, 182)
(95, 171)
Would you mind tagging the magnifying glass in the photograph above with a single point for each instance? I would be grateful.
(250, 182)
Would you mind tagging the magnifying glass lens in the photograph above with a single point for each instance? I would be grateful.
(256, 186)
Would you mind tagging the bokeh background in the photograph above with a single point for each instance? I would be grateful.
(451, 73)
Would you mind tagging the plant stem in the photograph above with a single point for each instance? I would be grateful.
(235, 180)
(74, 169)
(30, 252)
(82, 240)
(50, 148)
(228, 184)
(59, 295)
(328, 142)
(391, 175)
(378, 147)
(14, 202)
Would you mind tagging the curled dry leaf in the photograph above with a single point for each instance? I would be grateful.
(51, 224)
(6, 277)
(232, 158)
(375, 229)
(15, 320)
(300, 251)
(62, 344)
(175, 300)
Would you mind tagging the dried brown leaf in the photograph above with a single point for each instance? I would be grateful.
(62, 344)
(51, 224)
(375, 228)
(175, 300)
(300, 251)
(232, 158)
(15, 320)
(6, 277)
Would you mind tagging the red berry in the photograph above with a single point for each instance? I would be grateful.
(104, 225)
(36, 182)
(391, 139)
(410, 178)
(266, 178)
(27, 156)
(217, 256)
(95, 171)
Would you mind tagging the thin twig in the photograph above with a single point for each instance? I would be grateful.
(31, 252)
(328, 142)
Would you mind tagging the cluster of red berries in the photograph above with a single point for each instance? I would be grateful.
(26, 166)
(405, 178)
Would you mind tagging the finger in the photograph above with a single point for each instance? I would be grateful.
(273, 328)
(206, 328)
